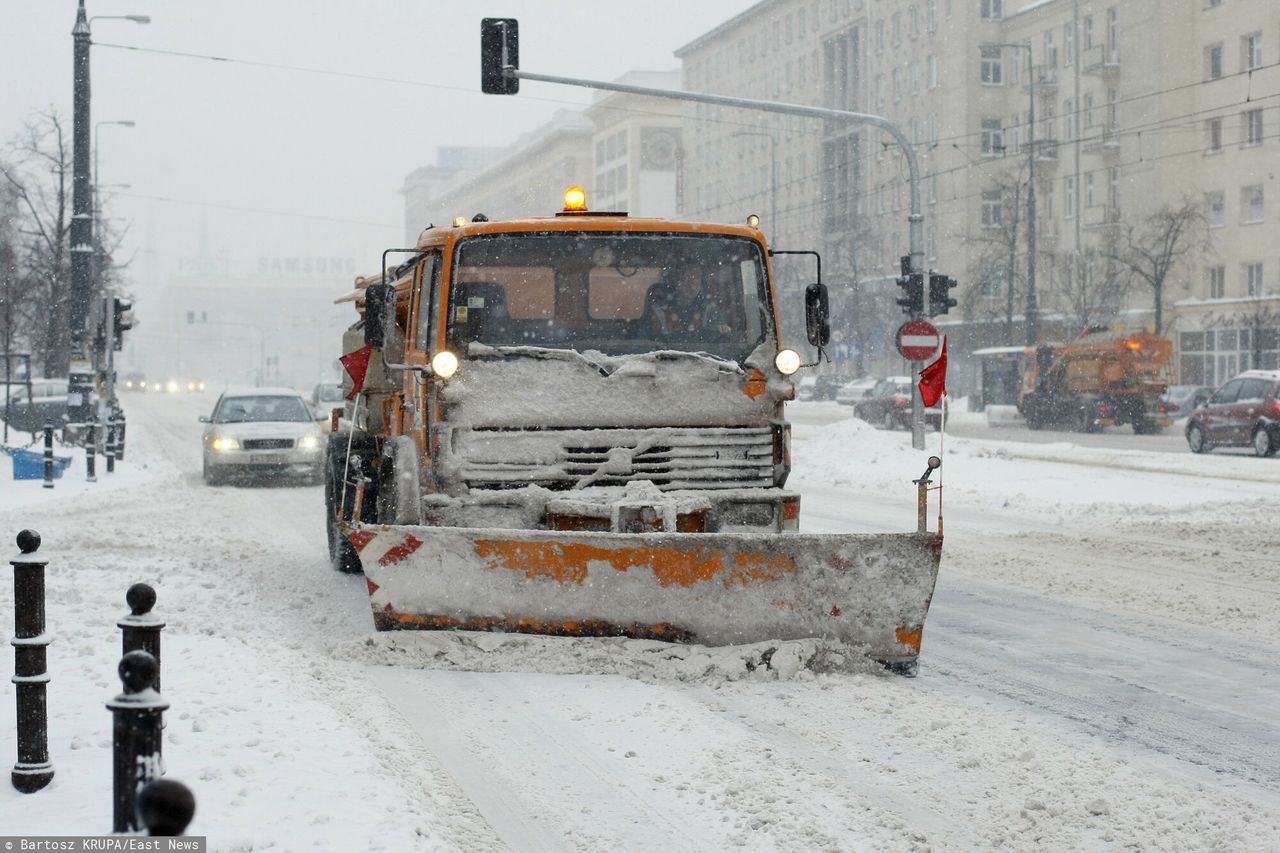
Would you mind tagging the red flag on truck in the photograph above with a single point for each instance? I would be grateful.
(357, 365)
(933, 379)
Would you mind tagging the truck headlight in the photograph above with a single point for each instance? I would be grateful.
(444, 364)
(223, 442)
(787, 361)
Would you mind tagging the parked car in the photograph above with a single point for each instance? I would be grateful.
(1244, 412)
(262, 433)
(888, 405)
(46, 403)
(1179, 401)
(851, 392)
(327, 396)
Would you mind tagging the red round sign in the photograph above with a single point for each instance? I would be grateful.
(918, 340)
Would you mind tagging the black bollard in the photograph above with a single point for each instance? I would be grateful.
(48, 456)
(33, 770)
(110, 450)
(166, 807)
(136, 739)
(120, 436)
(90, 449)
(140, 630)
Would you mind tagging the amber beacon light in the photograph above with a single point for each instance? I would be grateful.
(575, 199)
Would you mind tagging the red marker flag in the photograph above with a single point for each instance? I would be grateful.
(357, 365)
(933, 379)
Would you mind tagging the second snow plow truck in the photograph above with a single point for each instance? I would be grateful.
(574, 425)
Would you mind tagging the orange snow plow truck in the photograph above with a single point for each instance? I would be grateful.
(574, 425)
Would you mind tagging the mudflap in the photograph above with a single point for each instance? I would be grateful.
(868, 590)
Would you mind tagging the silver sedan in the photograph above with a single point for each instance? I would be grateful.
(262, 433)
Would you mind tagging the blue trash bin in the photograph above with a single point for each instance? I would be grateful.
(29, 465)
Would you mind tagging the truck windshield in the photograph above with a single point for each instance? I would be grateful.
(617, 294)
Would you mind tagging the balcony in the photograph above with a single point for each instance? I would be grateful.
(1045, 81)
(1102, 141)
(1101, 60)
(1046, 151)
(1101, 216)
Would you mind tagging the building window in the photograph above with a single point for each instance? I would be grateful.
(931, 15)
(1088, 31)
(1113, 190)
(992, 10)
(1253, 278)
(1253, 127)
(1069, 198)
(1068, 121)
(1251, 51)
(1214, 129)
(914, 75)
(1068, 44)
(991, 209)
(1088, 111)
(1213, 62)
(897, 85)
(932, 66)
(1050, 50)
(880, 36)
(1113, 34)
(1217, 282)
(1216, 204)
(992, 137)
(915, 20)
(1251, 202)
(896, 26)
(1088, 189)
(992, 66)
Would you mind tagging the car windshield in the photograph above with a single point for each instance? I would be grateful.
(239, 410)
(617, 294)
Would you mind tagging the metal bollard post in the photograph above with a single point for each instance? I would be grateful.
(90, 451)
(33, 770)
(120, 424)
(166, 807)
(136, 739)
(141, 628)
(110, 450)
(48, 456)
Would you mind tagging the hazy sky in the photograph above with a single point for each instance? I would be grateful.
(285, 163)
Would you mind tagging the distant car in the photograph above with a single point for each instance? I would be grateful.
(326, 397)
(1179, 401)
(46, 403)
(1244, 412)
(805, 387)
(888, 405)
(262, 433)
(851, 392)
(134, 382)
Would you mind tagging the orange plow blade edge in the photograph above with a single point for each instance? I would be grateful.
(870, 590)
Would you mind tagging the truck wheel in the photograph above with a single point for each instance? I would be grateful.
(342, 554)
(1083, 421)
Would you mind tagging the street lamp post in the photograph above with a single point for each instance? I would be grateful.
(109, 353)
(1033, 309)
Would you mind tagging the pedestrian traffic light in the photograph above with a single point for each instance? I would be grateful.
(499, 48)
(121, 321)
(940, 301)
(912, 299)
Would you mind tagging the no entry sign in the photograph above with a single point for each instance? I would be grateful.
(918, 340)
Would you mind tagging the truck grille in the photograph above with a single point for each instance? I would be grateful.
(267, 443)
(670, 457)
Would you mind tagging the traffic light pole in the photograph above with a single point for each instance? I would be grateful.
(915, 219)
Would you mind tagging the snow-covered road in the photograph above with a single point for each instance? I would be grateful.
(1099, 672)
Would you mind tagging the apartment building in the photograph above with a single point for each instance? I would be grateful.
(1141, 106)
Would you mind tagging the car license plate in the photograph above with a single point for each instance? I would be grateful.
(265, 458)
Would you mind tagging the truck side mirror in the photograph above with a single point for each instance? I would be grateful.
(378, 298)
(817, 314)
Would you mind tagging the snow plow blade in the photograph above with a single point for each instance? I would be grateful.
(871, 590)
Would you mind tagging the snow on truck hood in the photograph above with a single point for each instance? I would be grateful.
(532, 386)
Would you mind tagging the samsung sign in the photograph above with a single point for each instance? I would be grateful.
(306, 266)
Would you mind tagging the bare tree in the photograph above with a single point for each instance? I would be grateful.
(1151, 251)
(38, 173)
(1092, 285)
(1003, 242)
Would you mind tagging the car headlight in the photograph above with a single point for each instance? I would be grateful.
(309, 442)
(171, 387)
(200, 386)
(223, 442)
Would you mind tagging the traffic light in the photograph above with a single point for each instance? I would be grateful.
(940, 301)
(912, 299)
(121, 321)
(499, 47)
